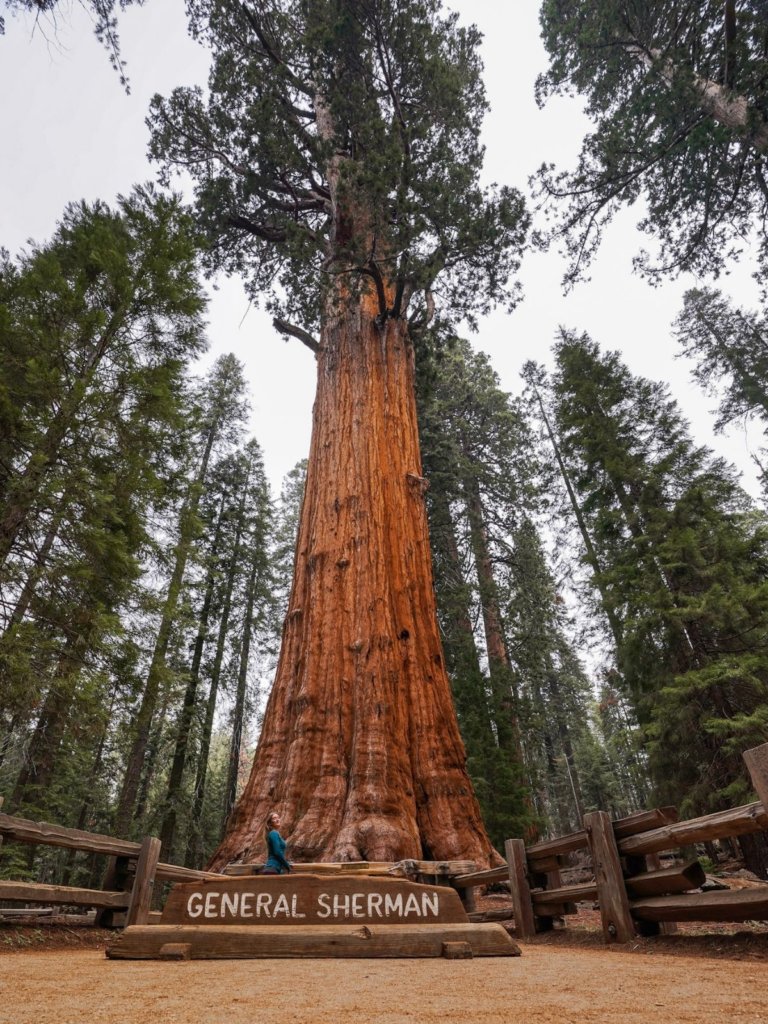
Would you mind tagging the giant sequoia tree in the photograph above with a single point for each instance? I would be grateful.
(336, 159)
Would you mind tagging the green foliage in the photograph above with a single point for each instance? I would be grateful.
(315, 148)
(676, 94)
(101, 323)
(684, 558)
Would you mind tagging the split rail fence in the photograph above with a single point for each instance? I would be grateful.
(132, 871)
(634, 893)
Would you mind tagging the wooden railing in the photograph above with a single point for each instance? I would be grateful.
(634, 893)
(121, 895)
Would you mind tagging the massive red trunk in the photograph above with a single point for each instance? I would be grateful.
(360, 750)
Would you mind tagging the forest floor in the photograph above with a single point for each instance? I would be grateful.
(704, 974)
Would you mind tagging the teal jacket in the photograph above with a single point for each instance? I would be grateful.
(276, 852)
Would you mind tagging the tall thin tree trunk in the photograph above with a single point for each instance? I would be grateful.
(143, 721)
(198, 799)
(39, 765)
(594, 562)
(360, 749)
(24, 488)
(168, 827)
(238, 712)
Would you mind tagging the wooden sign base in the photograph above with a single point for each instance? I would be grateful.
(311, 916)
(238, 942)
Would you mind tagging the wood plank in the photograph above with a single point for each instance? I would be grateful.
(756, 761)
(43, 833)
(557, 847)
(731, 905)
(540, 853)
(144, 882)
(34, 892)
(436, 868)
(486, 877)
(284, 900)
(177, 873)
(565, 894)
(737, 821)
(618, 925)
(517, 873)
(496, 914)
(214, 942)
(666, 881)
(644, 821)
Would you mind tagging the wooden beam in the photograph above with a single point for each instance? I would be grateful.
(34, 892)
(485, 877)
(517, 872)
(737, 821)
(40, 832)
(732, 905)
(641, 821)
(144, 882)
(176, 873)
(556, 847)
(215, 942)
(666, 881)
(565, 894)
(618, 925)
(351, 868)
(495, 914)
(757, 762)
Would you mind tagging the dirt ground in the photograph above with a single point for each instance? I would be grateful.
(547, 984)
(702, 975)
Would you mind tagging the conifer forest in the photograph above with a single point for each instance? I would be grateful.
(474, 609)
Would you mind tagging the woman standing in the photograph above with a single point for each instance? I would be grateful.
(276, 863)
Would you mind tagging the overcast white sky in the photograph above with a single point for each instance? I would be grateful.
(69, 131)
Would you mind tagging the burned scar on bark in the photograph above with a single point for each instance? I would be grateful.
(419, 482)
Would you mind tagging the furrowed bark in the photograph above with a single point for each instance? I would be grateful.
(360, 750)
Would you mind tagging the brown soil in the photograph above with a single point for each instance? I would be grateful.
(706, 973)
(544, 986)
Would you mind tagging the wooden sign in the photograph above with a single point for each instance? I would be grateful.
(311, 900)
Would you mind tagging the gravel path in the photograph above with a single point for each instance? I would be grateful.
(545, 985)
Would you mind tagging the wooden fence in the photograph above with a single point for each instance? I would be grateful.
(634, 893)
(130, 878)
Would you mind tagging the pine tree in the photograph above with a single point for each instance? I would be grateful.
(221, 410)
(477, 458)
(684, 554)
(100, 323)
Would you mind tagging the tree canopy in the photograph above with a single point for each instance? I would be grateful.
(676, 94)
(317, 111)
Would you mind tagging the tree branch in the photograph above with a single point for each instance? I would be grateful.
(297, 332)
(720, 103)
(260, 230)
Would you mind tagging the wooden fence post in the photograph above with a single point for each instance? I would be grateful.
(141, 896)
(525, 925)
(757, 763)
(618, 925)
